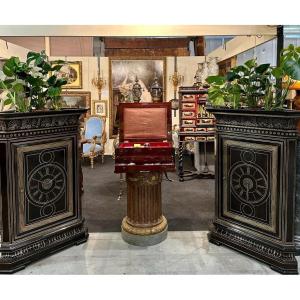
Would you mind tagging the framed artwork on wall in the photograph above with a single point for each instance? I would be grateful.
(72, 99)
(73, 71)
(100, 108)
(123, 72)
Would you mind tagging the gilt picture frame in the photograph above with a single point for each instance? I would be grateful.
(73, 70)
(123, 72)
(100, 108)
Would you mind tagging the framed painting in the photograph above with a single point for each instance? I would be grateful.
(72, 99)
(100, 108)
(123, 72)
(73, 71)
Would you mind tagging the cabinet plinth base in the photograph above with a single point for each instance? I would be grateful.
(17, 258)
(280, 260)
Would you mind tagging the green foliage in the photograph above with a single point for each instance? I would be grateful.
(29, 85)
(252, 85)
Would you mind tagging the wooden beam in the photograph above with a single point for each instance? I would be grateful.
(145, 43)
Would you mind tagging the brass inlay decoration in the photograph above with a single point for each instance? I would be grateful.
(246, 181)
(45, 184)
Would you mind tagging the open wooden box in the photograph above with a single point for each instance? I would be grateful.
(145, 138)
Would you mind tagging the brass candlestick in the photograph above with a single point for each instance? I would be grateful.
(99, 82)
(176, 79)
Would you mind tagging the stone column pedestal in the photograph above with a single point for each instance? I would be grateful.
(144, 224)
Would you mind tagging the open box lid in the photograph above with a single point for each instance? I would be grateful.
(145, 122)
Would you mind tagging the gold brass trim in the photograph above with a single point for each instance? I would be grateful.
(255, 146)
(144, 230)
(22, 226)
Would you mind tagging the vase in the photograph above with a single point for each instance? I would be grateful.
(213, 67)
(198, 75)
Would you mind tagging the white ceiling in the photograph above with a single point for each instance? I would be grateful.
(135, 30)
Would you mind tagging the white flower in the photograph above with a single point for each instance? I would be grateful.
(3, 95)
(2, 75)
(35, 72)
(20, 81)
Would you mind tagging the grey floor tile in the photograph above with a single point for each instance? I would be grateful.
(183, 252)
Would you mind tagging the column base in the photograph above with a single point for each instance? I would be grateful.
(144, 236)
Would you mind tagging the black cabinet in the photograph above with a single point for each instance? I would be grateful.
(256, 185)
(39, 200)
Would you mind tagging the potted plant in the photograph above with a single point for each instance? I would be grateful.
(39, 164)
(33, 84)
(256, 167)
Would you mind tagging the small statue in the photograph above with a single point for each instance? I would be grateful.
(156, 90)
(136, 91)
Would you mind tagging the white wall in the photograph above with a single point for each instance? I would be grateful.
(238, 45)
(8, 49)
(187, 67)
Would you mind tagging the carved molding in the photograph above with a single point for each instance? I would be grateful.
(253, 245)
(145, 230)
(144, 178)
(248, 120)
(254, 130)
(41, 245)
(37, 122)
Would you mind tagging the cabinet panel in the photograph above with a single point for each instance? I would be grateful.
(44, 183)
(250, 194)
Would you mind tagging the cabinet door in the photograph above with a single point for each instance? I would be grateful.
(45, 183)
(251, 184)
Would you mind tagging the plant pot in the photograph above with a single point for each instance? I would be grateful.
(257, 193)
(39, 171)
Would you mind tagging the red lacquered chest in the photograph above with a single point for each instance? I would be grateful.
(145, 138)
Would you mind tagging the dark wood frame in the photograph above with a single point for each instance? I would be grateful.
(111, 106)
(85, 94)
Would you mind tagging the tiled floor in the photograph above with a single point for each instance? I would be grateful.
(183, 252)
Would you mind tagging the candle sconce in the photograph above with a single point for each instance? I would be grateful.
(99, 82)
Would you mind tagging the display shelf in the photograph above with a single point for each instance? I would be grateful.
(195, 125)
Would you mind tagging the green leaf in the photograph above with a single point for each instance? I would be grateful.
(7, 70)
(219, 80)
(277, 72)
(51, 80)
(2, 85)
(250, 63)
(292, 68)
(8, 101)
(18, 87)
(54, 92)
(56, 67)
(32, 56)
(230, 76)
(262, 68)
(46, 67)
(60, 82)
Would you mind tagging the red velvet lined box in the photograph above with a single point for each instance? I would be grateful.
(145, 138)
